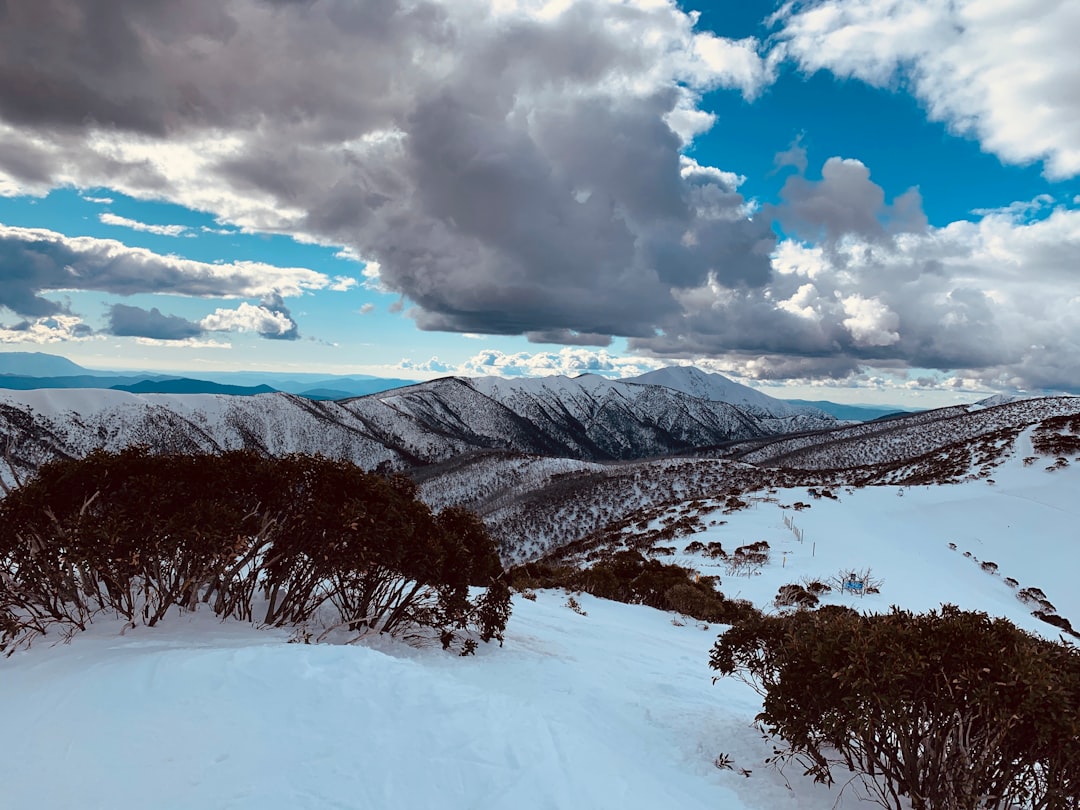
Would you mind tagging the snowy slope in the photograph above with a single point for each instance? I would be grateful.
(589, 419)
(1023, 519)
(718, 388)
(613, 709)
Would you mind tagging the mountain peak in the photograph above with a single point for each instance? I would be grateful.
(38, 364)
(718, 388)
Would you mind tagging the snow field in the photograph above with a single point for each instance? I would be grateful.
(1027, 521)
(615, 709)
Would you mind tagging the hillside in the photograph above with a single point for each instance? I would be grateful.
(587, 419)
(606, 706)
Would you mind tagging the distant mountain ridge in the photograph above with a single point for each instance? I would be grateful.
(40, 364)
(32, 370)
(718, 388)
(186, 386)
(587, 418)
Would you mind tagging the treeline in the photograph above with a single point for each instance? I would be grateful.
(293, 541)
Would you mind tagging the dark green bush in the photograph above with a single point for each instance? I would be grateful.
(949, 710)
(137, 534)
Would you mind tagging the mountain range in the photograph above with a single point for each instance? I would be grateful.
(34, 370)
(587, 418)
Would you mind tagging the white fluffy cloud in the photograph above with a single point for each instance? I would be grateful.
(1006, 72)
(249, 318)
(135, 225)
(53, 329)
(995, 301)
(568, 361)
(36, 260)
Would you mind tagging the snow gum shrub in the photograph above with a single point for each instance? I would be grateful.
(630, 577)
(948, 710)
(135, 534)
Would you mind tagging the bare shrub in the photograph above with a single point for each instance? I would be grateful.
(858, 582)
(815, 586)
(1029, 595)
(575, 606)
(748, 560)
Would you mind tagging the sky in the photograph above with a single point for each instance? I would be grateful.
(855, 200)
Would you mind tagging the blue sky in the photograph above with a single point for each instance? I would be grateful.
(854, 200)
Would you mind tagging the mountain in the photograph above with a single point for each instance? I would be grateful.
(313, 386)
(852, 413)
(587, 418)
(22, 382)
(26, 371)
(39, 364)
(679, 399)
(718, 388)
(188, 386)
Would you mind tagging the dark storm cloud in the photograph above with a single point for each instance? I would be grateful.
(510, 174)
(128, 321)
(567, 337)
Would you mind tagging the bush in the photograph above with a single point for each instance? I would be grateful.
(947, 709)
(136, 535)
(749, 559)
(627, 576)
(795, 595)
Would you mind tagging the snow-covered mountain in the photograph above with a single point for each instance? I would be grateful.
(606, 706)
(718, 388)
(587, 418)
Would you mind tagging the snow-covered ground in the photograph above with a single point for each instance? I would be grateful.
(613, 709)
(1025, 518)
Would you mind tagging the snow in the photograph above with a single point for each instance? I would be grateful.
(613, 709)
(718, 388)
(1023, 518)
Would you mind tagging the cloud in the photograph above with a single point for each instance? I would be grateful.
(366, 309)
(794, 155)
(128, 321)
(186, 343)
(994, 301)
(159, 230)
(510, 169)
(845, 201)
(434, 365)
(1004, 73)
(568, 337)
(567, 361)
(271, 319)
(99, 200)
(51, 329)
(35, 261)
